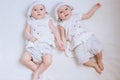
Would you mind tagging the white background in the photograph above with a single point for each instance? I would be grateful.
(105, 24)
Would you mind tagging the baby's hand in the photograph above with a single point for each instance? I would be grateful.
(63, 47)
(33, 39)
(98, 5)
(60, 45)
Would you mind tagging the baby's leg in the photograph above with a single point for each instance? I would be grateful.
(99, 60)
(26, 59)
(46, 62)
(93, 64)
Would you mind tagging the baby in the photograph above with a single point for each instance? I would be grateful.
(82, 41)
(41, 35)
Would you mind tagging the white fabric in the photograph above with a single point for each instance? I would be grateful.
(68, 51)
(38, 49)
(11, 42)
(76, 32)
(40, 29)
(85, 51)
(45, 39)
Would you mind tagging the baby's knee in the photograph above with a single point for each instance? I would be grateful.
(25, 58)
(47, 60)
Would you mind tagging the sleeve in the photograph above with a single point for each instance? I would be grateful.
(78, 16)
(28, 21)
(61, 24)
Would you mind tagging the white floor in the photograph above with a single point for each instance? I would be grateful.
(105, 24)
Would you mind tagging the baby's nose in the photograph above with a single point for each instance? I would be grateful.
(38, 10)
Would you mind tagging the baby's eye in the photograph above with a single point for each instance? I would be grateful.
(41, 9)
(61, 12)
(35, 9)
(66, 9)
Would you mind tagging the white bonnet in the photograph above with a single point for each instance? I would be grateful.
(58, 6)
(32, 5)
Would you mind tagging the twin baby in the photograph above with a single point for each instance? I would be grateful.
(42, 36)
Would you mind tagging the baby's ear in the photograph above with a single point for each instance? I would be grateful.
(72, 8)
(46, 12)
(59, 19)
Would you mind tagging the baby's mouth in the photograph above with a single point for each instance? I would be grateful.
(66, 15)
(38, 14)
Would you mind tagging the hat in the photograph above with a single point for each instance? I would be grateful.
(32, 5)
(58, 6)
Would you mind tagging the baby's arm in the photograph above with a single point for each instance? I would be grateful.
(55, 31)
(91, 12)
(62, 34)
(56, 34)
(28, 33)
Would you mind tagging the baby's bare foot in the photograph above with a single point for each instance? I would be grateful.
(100, 64)
(35, 77)
(96, 67)
(41, 77)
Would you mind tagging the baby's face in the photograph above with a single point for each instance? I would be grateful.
(38, 11)
(64, 12)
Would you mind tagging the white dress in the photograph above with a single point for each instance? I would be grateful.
(45, 39)
(82, 41)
